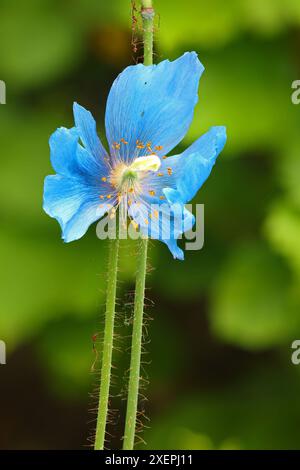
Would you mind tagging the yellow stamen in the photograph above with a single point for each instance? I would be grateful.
(127, 178)
(139, 144)
(104, 179)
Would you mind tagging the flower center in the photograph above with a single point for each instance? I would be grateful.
(126, 178)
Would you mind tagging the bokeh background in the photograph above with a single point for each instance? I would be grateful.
(219, 359)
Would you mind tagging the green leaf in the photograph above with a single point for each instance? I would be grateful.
(37, 42)
(289, 170)
(65, 349)
(252, 300)
(234, 94)
(214, 24)
(46, 280)
(282, 229)
(249, 413)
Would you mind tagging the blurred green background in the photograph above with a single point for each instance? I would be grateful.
(219, 361)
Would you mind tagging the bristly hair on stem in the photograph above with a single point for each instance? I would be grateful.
(147, 13)
(142, 18)
(106, 367)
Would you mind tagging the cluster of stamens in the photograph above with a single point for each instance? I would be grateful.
(127, 179)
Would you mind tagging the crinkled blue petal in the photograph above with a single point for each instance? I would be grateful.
(69, 158)
(86, 126)
(73, 204)
(191, 169)
(153, 104)
(63, 144)
(171, 222)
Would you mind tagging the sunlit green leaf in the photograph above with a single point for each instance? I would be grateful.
(252, 305)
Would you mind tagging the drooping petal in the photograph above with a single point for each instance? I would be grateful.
(188, 171)
(69, 158)
(73, 204)
(63, 144)
(88, 213)
(153, 104)
(165, 222)
(86, 126)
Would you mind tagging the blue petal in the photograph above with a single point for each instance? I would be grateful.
(172, 221)
(173, 196)
(63, 144)
(191, 169)
(68, 158)
(153, 104)
(75, 205)
(86, 126)
(86, 215)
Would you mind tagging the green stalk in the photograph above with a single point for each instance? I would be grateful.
(107, 344)
(147, 13)
(136, 348)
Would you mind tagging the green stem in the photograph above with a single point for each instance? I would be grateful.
(147, 13)
(136, 348)
(107, 344)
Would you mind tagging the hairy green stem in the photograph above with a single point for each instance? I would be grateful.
(147, 13)
(136, 347)
(107, 344)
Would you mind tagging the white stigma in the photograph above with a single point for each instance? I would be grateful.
(146, 163)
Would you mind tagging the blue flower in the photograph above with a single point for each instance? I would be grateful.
(149, 111)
